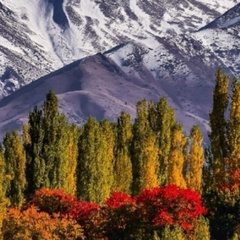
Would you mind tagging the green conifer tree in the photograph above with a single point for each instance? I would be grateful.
(35, 166)
(53, 126)
(233, 133)
(218, 124)
(46, 142)
(162, 120)
(15, 163)
(94, 166)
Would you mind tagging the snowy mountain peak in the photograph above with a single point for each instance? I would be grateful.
(229, 19)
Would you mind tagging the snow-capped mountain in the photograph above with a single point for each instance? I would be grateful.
(156, 45)
(40, 36)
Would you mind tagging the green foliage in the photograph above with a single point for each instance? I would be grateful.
(174, 232)
(233, 131)
(218, 124)
(163, 126)
(202, 230)
(224, 211)
(15, 164)
(35, 166)
(51, 146)
(95, 162)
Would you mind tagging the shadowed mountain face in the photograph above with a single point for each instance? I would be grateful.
(91, 86)
(148, 49)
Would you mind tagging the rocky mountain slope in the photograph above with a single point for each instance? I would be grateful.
(161, 48)
(92, 86)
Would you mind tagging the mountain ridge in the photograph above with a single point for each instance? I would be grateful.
(160, 49)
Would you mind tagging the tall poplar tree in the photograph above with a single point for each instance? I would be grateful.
(68, 151)
(53, 124)
(107, 149)
(46, 144)
(15, 164)
(144, 152)
(165, 123)
(233, 135)
(195, 160)
(35, 166)
(122, 156)
(176, 159)
(3, 200)
(218, 124)
(94, 166)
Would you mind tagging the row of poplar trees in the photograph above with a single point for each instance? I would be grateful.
(100, 157)
(127, 155)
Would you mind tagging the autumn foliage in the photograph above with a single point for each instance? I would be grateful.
(34, 224)
(53, 201)
(53, 214)
(170, 205)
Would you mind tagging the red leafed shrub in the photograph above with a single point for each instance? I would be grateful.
(83, 211)
(120, 216)
(170, 205)
(89, 216)
(119, 199)
(86, 214)
(53, 201)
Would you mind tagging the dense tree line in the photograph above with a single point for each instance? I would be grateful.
(129, 156)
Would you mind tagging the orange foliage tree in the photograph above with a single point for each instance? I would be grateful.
(32, 224)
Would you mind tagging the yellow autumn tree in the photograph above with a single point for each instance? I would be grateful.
(3, 201)
(122, 159)
(162, 119)
(195, 160)
(69, 149)
(107, 155)
(144, 152)
(176, 157)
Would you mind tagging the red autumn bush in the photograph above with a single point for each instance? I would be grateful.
(89, 216)
(170, 205)
(83, 211)
(119, 199)
(53, 201)
(120, 216)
